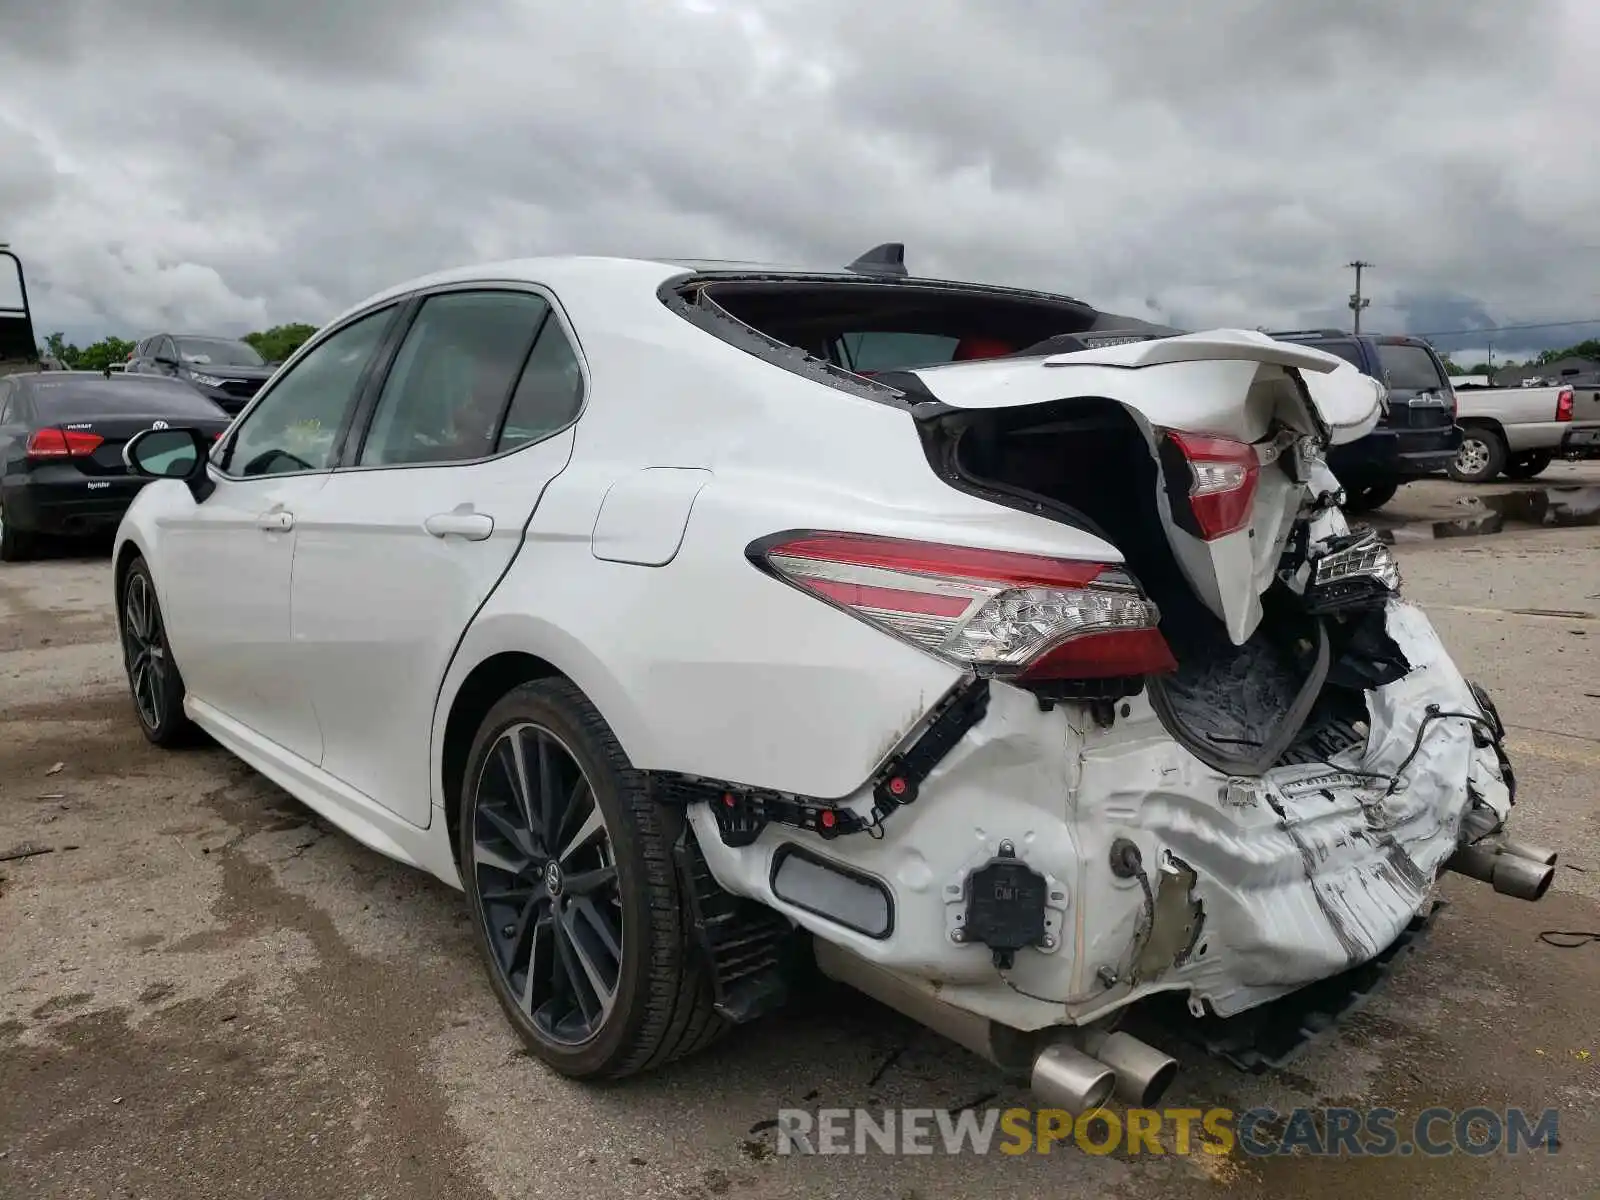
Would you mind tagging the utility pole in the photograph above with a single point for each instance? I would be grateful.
(1356, 302)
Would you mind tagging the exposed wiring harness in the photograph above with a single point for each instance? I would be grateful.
(1126, 863)
(1431, 714)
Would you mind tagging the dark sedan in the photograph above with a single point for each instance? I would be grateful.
(61, 439)
(224, 370)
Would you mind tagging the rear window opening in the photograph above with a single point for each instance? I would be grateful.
(868, 327)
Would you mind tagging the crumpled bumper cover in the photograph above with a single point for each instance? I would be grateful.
(1249, 887)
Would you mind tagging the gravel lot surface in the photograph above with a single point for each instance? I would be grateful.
(206, 992)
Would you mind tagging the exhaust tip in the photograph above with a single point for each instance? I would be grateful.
(1068, 1078)
(1522, 878)
(1143, 1073)
(1534, 854)
(1156, 1086)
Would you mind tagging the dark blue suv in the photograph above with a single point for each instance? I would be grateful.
(1417, 435)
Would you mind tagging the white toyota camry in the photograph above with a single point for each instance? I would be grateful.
(1010, 659)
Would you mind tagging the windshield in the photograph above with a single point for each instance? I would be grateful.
(1411, 367)
(218, 352)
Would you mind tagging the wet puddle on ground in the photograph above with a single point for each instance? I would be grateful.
(1545, 508)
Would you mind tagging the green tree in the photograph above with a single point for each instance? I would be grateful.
(279, 342)
(96, 356)
(55, 345)
(102, 354)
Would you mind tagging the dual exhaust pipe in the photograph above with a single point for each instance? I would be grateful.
(1511, 868)
(1067, 1075)
(1081, 1069)
(1078, 1070)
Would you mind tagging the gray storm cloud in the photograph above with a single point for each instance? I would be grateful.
(224, 165)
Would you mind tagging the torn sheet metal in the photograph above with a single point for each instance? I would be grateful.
(1296, 874)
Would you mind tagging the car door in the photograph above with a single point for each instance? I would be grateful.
(405, 543)
(225, 563)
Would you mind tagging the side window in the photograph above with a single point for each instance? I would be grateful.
(549, 393)
(7, 415)
(447, 393)
(895, 351)
(296, 425)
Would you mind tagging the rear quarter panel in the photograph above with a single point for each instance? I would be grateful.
(706, 665)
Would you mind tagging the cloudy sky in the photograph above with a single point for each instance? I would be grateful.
(230, 164)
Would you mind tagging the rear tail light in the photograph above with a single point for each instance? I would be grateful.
(1221, 474)
(1017, 616)
(1564, 405)
(63, 443)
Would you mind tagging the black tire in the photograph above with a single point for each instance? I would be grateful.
(662, 1006)
(154, 681)
(16, 545)
(1362, 497)
(1529, 465)
(1481, 456)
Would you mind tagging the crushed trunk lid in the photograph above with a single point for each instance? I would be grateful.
(1237, 422)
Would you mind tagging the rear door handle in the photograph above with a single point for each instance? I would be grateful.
(275, 522)
(474, 527)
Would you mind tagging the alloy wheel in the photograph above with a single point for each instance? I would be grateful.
(1472, 456)
(146, 650)
(545, 873)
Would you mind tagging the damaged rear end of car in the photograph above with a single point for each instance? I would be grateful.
(1215, 772)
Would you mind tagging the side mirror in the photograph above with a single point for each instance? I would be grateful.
(171, 454)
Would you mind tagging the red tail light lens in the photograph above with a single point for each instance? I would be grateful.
(1019, 616)
(63, 443)
(1222, 482)
(1564, 405)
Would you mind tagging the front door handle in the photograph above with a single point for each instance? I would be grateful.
(277, 521)
(472, 526)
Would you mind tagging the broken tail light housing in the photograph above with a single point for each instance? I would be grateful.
(63, 443)
(1355, 571)
(1211, 482)
(1564, 405)
(1023, 617)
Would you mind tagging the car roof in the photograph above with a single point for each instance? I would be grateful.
(1344, 335)
(558, 270)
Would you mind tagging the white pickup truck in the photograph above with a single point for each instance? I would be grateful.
(1519, 431)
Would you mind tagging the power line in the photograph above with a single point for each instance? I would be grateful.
(1508, 328)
